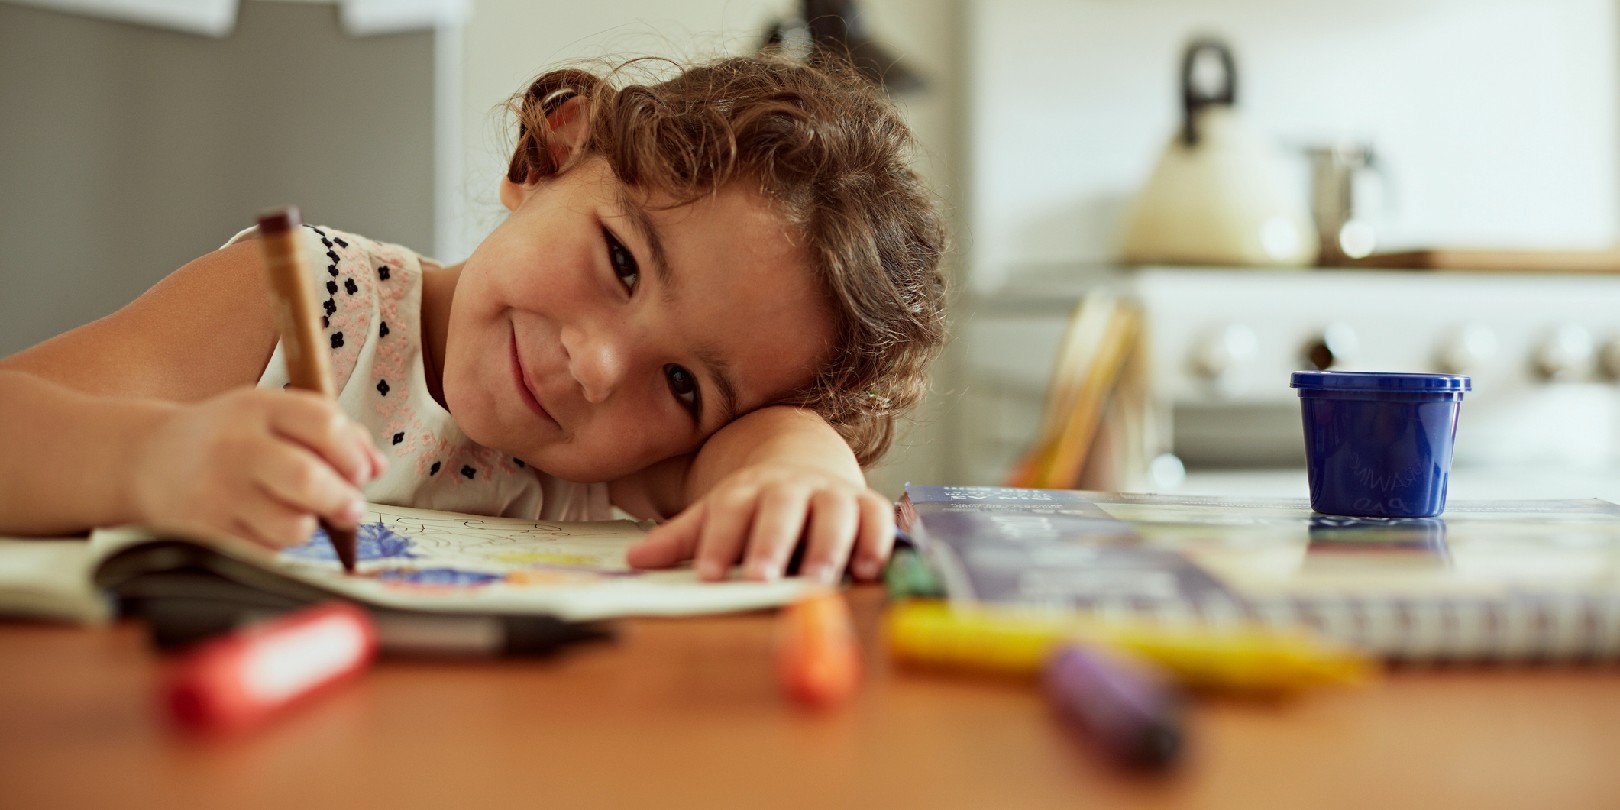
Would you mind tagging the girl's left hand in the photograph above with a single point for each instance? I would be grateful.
(758, 515)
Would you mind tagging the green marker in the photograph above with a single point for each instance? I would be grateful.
(909, 576)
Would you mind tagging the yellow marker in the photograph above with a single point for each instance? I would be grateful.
(1242, 658)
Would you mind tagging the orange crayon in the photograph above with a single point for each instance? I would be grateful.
(818, 659)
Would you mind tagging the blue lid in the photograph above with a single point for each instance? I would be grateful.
(1378, 381)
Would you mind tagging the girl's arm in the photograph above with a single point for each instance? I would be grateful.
(753, 491)
(147, 416)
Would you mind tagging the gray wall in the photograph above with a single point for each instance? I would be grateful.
(126, 151)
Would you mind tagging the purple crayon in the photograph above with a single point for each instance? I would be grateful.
(1127, 708)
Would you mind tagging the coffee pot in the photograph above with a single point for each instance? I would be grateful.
(1217, 194)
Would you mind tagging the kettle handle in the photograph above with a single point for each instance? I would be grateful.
(1192, 100)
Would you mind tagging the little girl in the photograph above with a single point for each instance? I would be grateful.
(709, 302)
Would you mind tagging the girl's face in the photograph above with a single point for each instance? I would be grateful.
(592, 335)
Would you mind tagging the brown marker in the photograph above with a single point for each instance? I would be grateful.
(299, 325)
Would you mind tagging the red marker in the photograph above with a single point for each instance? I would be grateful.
(818, 659)
(241, 680)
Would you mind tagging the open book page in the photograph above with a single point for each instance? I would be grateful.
(49, 578)
(445, 561)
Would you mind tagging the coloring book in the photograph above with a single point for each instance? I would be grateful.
(409, 559)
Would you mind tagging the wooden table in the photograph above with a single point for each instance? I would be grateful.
(686, 713)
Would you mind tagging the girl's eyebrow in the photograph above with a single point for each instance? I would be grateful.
(719, 370)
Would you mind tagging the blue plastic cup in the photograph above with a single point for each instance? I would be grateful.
(1379, 444)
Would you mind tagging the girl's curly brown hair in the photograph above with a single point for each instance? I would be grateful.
(831, 152)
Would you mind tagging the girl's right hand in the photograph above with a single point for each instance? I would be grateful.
(256, 464)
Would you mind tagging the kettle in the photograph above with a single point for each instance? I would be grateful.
(1216, 195)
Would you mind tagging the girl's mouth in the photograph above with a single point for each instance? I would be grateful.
(524, 389)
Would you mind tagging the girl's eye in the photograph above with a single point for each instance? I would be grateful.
(684, 386)
(622, 261)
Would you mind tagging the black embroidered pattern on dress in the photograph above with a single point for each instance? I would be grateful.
(330, 305)
(337, 340)
(434, 470)
(399, 437)
(382, 387)
(382, 272)
(467, 471)
(349, 285)
(382, 331)
(331, 288)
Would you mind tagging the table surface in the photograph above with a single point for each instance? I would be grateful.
(687, 713)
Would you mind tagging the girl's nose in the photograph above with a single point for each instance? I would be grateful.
(597, 359)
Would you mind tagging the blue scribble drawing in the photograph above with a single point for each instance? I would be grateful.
(377, 542)
(438, 576)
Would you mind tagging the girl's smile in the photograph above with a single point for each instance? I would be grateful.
(525, 388)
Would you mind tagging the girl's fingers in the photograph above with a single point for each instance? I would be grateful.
(271, 524)
(833, 520)
(777, 526)
(670, 544)
(377, 462)
(316, 423)
(875, 540)
(725, 531)
(304, 484)
(763, 524)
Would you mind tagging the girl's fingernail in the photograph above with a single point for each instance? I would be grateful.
(823, 573)
(709, 570)
(763, 571)
(867, 568)
(354, 512)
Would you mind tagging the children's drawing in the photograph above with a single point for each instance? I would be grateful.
(420, 552)
(376, 541)
(437, 577)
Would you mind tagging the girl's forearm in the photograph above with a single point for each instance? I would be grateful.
(68, 456)
(771, 435)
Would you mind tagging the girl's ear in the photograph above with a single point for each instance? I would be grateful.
(567, 126)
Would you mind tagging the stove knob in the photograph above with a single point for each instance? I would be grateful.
(1335, 348)
(1221, 357)
(1609, 359)
(1467, 351)
(1566, 354)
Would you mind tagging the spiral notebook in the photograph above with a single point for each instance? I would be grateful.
(1515, 580)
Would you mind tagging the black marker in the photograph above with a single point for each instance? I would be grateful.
(479, 635)
(176, 623)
